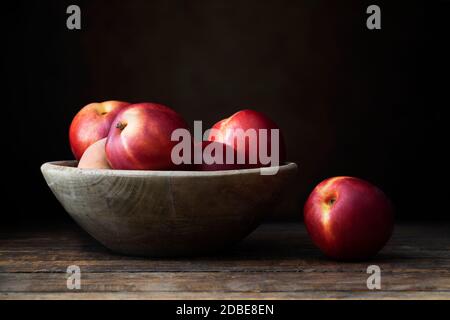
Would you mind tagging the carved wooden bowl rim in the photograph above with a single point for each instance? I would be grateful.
(69, 166)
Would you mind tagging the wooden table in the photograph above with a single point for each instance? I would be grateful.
(277, 261)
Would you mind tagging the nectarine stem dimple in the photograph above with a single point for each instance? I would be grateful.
(121, 125)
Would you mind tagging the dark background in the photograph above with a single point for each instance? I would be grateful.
(350, 101)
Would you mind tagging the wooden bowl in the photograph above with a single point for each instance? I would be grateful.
(166, 213)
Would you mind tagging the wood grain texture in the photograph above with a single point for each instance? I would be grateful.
(276, 262)
(167, 213)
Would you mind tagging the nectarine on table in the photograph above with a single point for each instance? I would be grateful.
(348, 218)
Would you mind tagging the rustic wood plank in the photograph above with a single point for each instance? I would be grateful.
(277, 261)
(317, 294)
(222, 282)
(310, 265)
(276, 248)
(66, 232)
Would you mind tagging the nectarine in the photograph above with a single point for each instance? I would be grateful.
(140, 137)
(95, 156)
(91, 124)
(348, 218)
(254, 136)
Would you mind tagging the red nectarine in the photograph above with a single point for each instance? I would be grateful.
(91, 124)
(213, 155)
(250, 146)
(140, 137)
(348, 218)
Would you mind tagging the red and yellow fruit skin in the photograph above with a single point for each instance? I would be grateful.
(216, 166)
(91, 124)
(348, 218)
(140, 137)
(247, 119)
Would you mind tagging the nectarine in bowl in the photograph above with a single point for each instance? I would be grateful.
(166, 213)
